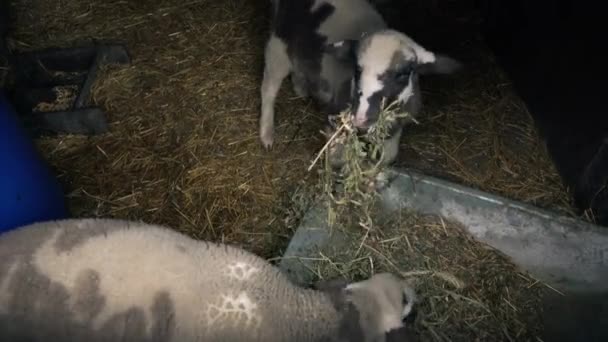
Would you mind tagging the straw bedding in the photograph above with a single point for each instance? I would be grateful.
(183, 151)
(183, 148)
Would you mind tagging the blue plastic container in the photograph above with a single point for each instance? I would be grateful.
(29, 191)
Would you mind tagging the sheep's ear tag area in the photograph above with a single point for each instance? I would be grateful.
(343, 49)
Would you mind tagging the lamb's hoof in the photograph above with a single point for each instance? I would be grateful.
(267, 146)
(267, 139)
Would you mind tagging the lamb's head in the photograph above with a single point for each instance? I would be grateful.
(374, 309)
(386, 64)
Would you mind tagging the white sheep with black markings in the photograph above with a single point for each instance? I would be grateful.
(342, 54)
(112, 280)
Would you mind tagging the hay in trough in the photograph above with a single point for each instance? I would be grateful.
(468, 291)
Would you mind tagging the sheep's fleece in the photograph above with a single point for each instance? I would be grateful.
(112, 280)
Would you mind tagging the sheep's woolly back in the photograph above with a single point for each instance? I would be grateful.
(118, 280)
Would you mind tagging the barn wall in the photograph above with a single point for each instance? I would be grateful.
(4, 25)
(551, 51)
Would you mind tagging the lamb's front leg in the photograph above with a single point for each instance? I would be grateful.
(276, 67)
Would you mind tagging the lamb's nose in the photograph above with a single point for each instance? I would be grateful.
(360, 122)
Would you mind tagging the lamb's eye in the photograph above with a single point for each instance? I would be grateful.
(404, 301)
(403, 75)
(358, 70)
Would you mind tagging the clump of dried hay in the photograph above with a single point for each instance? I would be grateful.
(362, 171)
(469, 291)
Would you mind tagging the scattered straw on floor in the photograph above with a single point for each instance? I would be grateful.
(477, 131)
(183, 148)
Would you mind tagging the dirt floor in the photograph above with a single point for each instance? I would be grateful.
(183, 148)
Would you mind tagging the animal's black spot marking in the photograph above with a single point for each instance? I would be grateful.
(39, 309)
(397, 77)
(126, 326)
(375, 103)
(394, 80)
(163, 314)
(350, 326)
(297, 24)
(350, 323)
(89, 300)
(357, 73)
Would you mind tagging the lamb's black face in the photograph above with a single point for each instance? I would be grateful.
(385, 64)
(371, 87)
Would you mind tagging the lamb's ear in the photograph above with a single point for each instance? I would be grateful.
(343, 49)
(440, 64)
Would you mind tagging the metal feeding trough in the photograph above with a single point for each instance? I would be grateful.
(51, 88)
(569, 254)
